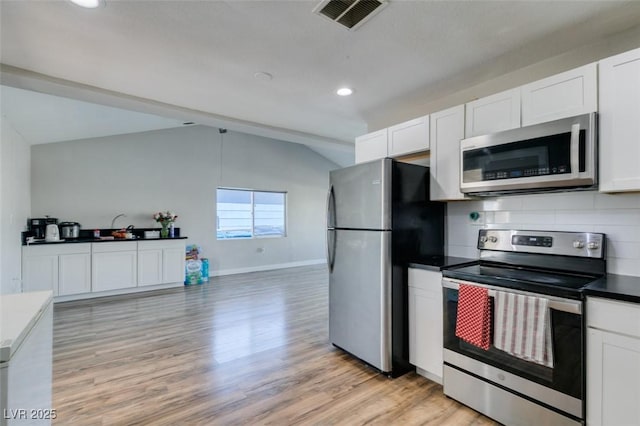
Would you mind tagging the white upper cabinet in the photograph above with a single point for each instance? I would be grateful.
(447, 129)
(563, 95)
(620, 122)
(409, 137)
(493, 113)
(371, 146)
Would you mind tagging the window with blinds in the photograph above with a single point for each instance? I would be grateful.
(243, 213)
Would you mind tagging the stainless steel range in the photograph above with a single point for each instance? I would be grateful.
(517, 272)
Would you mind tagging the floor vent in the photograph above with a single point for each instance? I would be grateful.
(349, 13)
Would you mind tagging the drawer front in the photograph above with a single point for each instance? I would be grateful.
(161, 244)
(57, 248)
(612, 315)
(429, 281)
(114, 246)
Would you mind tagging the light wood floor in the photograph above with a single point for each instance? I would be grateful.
(243, 349)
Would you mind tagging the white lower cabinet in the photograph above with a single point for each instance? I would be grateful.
(149, 267)
(62, 268)
(80, 269)
(74, 272)
(160, 262)
(425, 322)
(114, 266)
(39, 271)
(613, 363)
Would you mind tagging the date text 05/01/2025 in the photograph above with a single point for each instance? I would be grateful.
(29, 414)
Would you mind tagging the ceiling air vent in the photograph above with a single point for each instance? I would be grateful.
(349, 13)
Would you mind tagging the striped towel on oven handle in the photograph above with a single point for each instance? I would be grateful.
(522, 327)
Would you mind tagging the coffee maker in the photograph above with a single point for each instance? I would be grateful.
(38, 226)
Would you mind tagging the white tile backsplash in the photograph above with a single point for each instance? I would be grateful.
(617, 216)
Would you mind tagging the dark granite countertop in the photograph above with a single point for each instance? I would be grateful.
(98, 240)
(438, 263)
(619, 287)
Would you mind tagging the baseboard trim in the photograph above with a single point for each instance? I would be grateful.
(222, 272)
(117, 292)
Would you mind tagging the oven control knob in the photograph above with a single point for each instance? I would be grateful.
(578, 244)
(493, 239)
(593, 245)
(483, 239)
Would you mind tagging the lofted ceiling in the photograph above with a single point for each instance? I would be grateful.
(199, 59)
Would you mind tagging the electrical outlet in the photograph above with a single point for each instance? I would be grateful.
(476, 218)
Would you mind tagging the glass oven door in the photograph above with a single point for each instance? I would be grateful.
(566, 375)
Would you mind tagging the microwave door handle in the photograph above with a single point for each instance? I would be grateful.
(575, 150)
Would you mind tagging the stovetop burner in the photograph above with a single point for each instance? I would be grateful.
(546, 262)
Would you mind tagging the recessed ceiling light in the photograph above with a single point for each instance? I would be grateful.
(344, 91)
(89, 4)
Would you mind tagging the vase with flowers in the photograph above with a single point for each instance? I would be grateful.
(165, 219)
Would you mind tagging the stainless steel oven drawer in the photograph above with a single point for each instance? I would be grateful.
(503, 406)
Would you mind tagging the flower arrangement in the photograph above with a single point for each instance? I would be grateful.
(165, 219)
(167, 216)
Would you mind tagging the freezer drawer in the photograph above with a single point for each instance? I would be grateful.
(360, 294)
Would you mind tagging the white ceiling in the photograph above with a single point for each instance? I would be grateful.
(201, 56)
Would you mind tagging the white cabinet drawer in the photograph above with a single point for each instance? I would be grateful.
(161, 244)
(114, 246)
(55, 249)
(612, 315)
(430, 281)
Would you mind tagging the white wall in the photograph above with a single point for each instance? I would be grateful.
(618, 216)
(91, 181)
(491, 78)
(15, 204)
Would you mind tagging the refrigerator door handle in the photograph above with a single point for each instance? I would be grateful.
(331, 209)
(331, 249)
(331, 223)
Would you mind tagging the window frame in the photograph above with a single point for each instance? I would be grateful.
(253, 216)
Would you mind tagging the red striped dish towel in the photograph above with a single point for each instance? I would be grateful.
(522, 327)
(473, 324)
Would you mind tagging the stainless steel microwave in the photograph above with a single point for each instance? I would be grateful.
(556, 155)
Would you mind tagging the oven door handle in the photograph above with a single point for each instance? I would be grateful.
(557, 303)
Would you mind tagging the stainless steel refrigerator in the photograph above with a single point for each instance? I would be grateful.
(379, 219)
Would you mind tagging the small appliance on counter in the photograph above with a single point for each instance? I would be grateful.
(69, 230)
(38, 226)
(52, 233)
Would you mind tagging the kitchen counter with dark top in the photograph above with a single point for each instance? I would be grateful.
(98, 240)
(618, 287)
(438, 263)
(87, 236)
